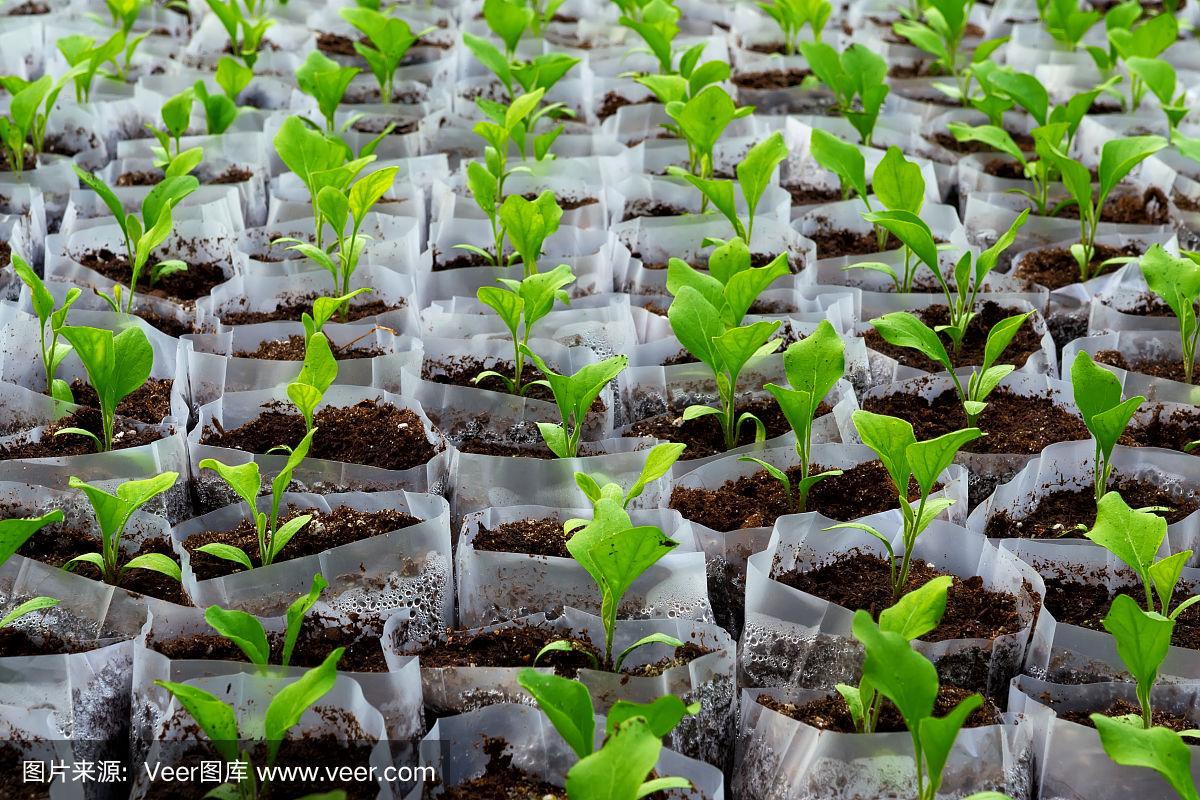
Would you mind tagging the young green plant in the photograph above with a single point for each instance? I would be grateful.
(793, 15)
(905, 460)
(658, 463)
(1098, 397)
(117, 365)
(23, 129)
(700, 121)
(143, 235)
(244, 480)
(858, 79)
(176, 116)
(244, 29)
(812, 365)
(574, 396)
(388, 39)
(51, 319)
(221, 108)
(621, 768)
(86, 57)
(317, 373)
(112, 512)
(14, 532)
(246, 631)
(1177, 281)
(325, 81)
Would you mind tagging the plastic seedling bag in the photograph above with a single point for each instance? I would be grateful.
(780, 757)
(454, 748)
(1122, 301)
(585, 205)
(53, 178)
(216, 205)
(495, 586)
(726, 552)
(1137, 346)
(792, 638)
(1071, 762)
(30, 735)
(406, 567)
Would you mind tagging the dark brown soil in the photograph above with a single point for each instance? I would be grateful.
(291, 311)
(374, 126)
(14, 783)
(502, 781)
(196, 282)
(835, 242)
(150, 404)
(684, 654)
(292, 349)
(168, 325)
(1086, 604)
(811, 196)
(1024, 344)
(999, 168)
(139, 178)
(1013, 423)
(457, 259)
(232, 174)
(1174, 430)
(756, 501)
(57, 544)
(513, 646)
(5, 254)
(703, 436)
(539, 537)
(461, 371)
(313, 645)
(18, 641)
(771, 78)
(1159, 716)
(337, 45)
(1149, 208)
(1186, 203)
(566, 203)
(1055, 267)
(1167, 369)
(1059, 511)
(125, 435)
(1146, 305)
(343, 525)
(863, 581)
(645, 207)
(29, 8)
(366, 433)
(613, 102)
(832, 714)
(947, 140)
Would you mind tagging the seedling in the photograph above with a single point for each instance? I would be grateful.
(324, 309)
(706, 315)
(112, 512)
(117, 365)
(1157, 748)
(317, 374)
(247, 632)
(388, 40)
(688, 80)
(658, 463)
(176, 116)
(621, 767)
(245, 480)
(574, 395)
(86, 58)
(1177, 281)
(657, 22)
(813, 365)
(14, 532)
(615, 553)
(1098, 397)
(904, 676)
(245, 30)
(793, 15)
(842, 159)
(23, 131)
(528, 224)
(51, 320)
(940, 33)
(542, 71)
(520, 304)
(906, 459)
(915, 614)
(220, 110)
(754, 173)
(220, 723)
(143, 236)
(1159, 77)
(701, 120)
(858, 79)
(1117, 158)
(1065, 21)
(1127, 40)
(325, 81)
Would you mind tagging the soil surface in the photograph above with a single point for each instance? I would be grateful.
(646, 207)
(1173, 430)
(461, 371)
(125, 435)
(502, 781)
(168, 325)
(1075, 602)
(293, 349)
(343, 525)
(836, 242)
(703, 435)
(21, 641)
(539, 537)
(811, 195)
(187, 286)
(316, 640)
(291, 311)
(513, 646)
(771, 78)
(1060, 510)
(756, 501)
(368, 432)
(946, 140)
(1170, 369)
(149, 404)
(1013, 423)
(863, 581)
(832, 714)
(1149, 208)
(1055, 267)
(1159, 716)
(1024, 344)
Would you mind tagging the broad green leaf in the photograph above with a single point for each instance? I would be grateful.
(617, 770)
(1142, 638)
(661, 715)
(367, 191)
(290, 702)
(897, 671)
(917, 612)
(156, 562)
(890, 438)
(226, 552)
(898, 183)
(937, 735)
(295, 615)
(15, 531)
(928, 459)
(841, 158)
(568, 706)
(244, 479)
(1130, 535)
(658, 463)
(907, 330)
(1119, 156)
(28, 607)
(1159, 749)
(214, 717)
(912, 232)
(244, 630)
(696, 323)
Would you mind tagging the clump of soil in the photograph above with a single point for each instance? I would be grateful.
(1149, 208)
(502, 781)
(149, 404)
(232, 174)
(1000, 168)
(863, 581)
(832, 714)
(1013, 423)
(1085, 604)
(771, 78)
(125, 435)
(1060, 510)
(291, 311)
(539, 537)
(139, 178)
(1024, 344)
(836, 242)
(703, 435)
(368, 432)
(1055, 267)
(342, 525)
(193, 283)
(292, 349)
(1170, 369)
(756, 501)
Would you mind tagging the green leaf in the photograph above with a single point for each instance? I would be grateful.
(368, 190)
(658, 463)
(1132, 536)
(227, 552)
(286, 531)
(930, 458)
(918, 612)
(317, 374)
(937, 735)
(214, 717)
(992, 136)
(113, 511)
(155, 562)
(28, 607)
(988, 258)
(244, 630)
(620, 559)
(897, 671)
(661, 715)
(617, 770)
(290, 702)
(568, 706)
(529, 223)
(295, 615)
(903, 329)
(890, 438)
(898, 183)
(842, 159)
(15, 531)
(736, 346)
(1159, 749)
(756, 168)
(696, 323)
(703, 118)
(653, 638)
(1142, 638)
(325, 81)
(244, 479)
(1119, 156)
(1164, 576)
(912, 232)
